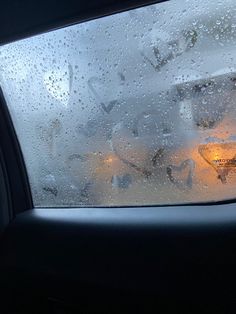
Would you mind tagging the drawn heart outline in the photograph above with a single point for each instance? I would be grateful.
(111, 104)
(138, 118)
(177, 48)
(188, 163)
(156, 159)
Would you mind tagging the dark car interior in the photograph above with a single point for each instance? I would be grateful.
(153, 259)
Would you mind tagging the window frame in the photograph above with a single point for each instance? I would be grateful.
(30, 22)
(27, 203)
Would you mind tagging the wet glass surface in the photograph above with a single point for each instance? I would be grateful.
(136, 108)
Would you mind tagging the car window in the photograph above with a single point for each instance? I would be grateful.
(137, 108)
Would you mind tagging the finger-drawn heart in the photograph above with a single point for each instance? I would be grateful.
(59, 83)
(50, 185)
(137, 153)
(89, 129)
(165, 49)
(96, 86)
(49, 133)
(182, 176)
(133, 164)
(221, 156)
(149, 121)
(108, 108)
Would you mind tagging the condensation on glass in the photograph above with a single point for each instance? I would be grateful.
(136, 108)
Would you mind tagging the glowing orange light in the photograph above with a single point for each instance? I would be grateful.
(221, 156)
(109, 160)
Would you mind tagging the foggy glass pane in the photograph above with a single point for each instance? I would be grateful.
(137, 108)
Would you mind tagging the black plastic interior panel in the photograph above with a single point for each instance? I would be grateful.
(14, 170)
(5, 199)
(23, 18)
(132, 257)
